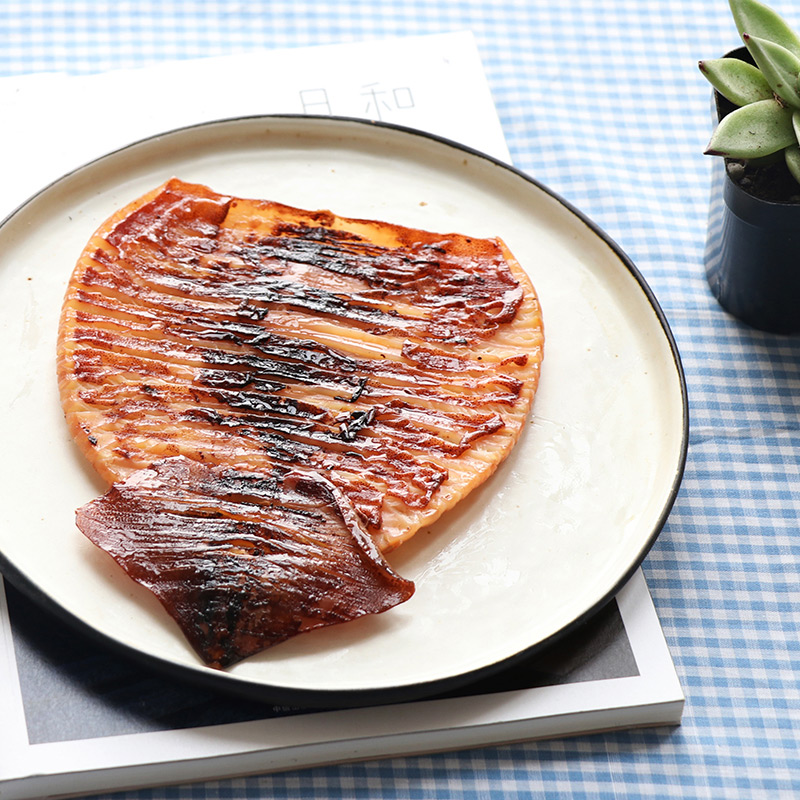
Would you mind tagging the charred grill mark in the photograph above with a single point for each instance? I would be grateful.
(271, 366)
(272, 291)
(352, 423)
(362, 385)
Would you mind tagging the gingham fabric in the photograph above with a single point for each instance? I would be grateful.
(602, 101)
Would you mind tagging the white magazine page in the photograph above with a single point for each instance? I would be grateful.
(61, 731)
(61, 122)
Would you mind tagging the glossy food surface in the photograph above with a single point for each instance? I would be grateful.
(400, 362)
(267, 389)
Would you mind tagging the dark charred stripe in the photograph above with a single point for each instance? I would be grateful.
(236, 380)
(362, 385)
(286, 371)
(277, 292)
(355, 421)
(347, 254)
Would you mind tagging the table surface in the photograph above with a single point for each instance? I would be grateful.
(603, 102)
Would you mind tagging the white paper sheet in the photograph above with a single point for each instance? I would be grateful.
(55, 123)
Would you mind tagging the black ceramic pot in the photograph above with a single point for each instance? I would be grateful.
(752, 253)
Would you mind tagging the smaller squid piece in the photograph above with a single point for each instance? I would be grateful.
(242, 561)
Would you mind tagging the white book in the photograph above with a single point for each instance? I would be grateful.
(77, 719)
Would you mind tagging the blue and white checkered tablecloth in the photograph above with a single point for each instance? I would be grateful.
(603, 102)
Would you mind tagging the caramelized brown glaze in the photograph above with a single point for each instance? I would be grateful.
(244, 334)
(242, 561)
(250, 333)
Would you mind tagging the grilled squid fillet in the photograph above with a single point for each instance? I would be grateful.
(397, 366)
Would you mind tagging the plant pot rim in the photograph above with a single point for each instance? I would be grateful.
(758, 210)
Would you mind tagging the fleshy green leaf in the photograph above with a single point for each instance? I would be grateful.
(752, 131)
(756, 19)
(780, 67)
(740, 82)
(792, 155)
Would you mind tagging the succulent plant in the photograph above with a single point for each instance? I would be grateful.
(766, 121)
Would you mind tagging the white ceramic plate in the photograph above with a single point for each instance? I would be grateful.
(544, 543)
